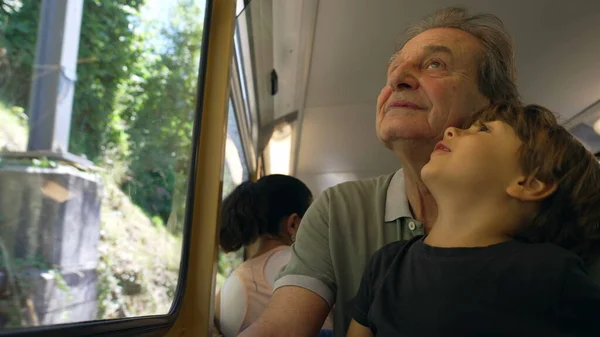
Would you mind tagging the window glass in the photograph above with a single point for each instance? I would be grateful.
(95, 152)
(235, 171)
(242, 77)
(239, 7)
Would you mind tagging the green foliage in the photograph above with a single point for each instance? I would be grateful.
(159, 102)
(105, 53)
(157, 221)
(133, 110)
(18, 30)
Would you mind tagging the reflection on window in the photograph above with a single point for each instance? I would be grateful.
(91, 211)
(235, 164)
(239, 7)
(242, 75)
(235, 172)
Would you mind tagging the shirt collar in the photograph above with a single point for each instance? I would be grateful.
(396, 202)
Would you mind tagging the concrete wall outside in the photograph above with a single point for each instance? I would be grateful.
(53, 215)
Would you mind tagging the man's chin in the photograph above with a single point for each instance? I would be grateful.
(408, 146)
(403, 134)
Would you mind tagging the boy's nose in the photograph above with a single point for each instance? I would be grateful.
(450, 132)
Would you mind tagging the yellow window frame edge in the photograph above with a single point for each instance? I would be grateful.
(196, 313)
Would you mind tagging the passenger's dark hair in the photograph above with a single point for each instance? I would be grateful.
(257, 208)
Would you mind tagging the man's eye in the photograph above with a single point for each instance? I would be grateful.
(434, 65)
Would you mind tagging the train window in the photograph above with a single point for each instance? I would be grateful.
(235, 171)
(96, 136)
(235, 168)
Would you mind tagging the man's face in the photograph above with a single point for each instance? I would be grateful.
(431, 85)
(482, 159)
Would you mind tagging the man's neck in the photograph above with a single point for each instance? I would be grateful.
(421, 202)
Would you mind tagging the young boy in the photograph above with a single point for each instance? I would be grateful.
(517, 198)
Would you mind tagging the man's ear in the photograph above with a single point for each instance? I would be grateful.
(530, 189)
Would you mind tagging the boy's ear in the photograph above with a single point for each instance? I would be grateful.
(530, 189)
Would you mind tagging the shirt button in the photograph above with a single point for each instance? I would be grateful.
(412, 226)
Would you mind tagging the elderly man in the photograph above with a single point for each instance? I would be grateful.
(447, 66)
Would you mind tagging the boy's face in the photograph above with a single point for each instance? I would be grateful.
(482, 160)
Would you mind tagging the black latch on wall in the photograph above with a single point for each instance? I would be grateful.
(274, 82)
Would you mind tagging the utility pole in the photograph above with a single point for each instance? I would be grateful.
(54, 77)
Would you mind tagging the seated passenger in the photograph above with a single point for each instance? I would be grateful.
(265, 213)
(518, 200)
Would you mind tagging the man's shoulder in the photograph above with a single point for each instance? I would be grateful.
(362, 188)
(352, 203)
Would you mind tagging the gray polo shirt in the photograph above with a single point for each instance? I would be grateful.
(345, 225)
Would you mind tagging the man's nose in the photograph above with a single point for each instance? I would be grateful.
(402, 78)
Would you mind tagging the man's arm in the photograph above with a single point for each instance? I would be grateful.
(358, 330)
(292, 311)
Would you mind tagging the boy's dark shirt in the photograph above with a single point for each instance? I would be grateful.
(509, 289)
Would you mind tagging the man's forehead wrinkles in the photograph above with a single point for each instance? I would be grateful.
(437, 48)
(422, 50)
